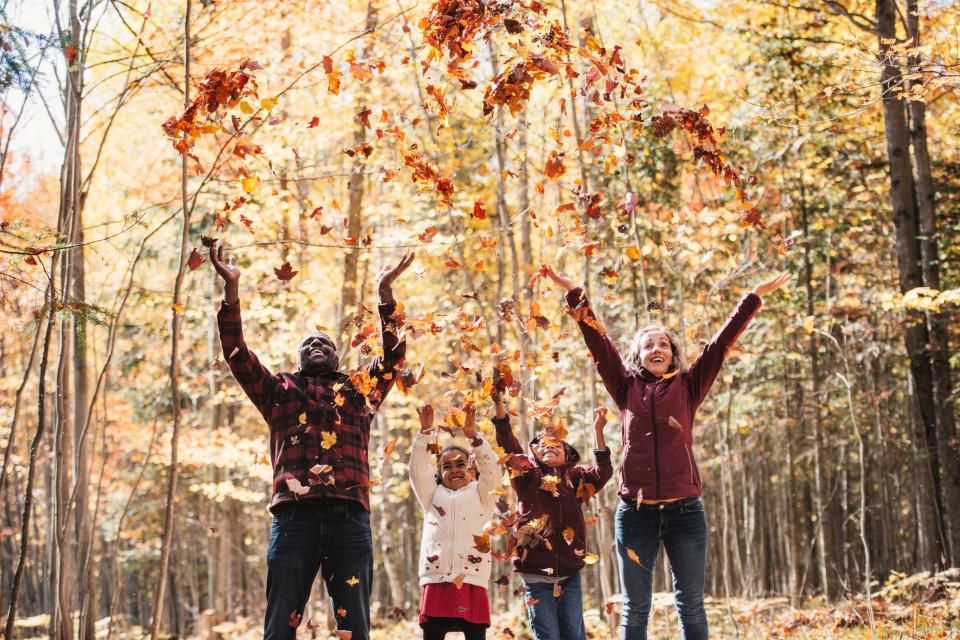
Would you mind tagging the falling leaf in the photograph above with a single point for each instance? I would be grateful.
(295, 619)
(590, 558)
(633, 556)
(207, 241)
(314, 121)
(633, 252)
(399, 613)
(531, 601)
(458, 581)
(341, 612)
(302, 418)
(178, 308)
(250, 184)
(481, 543)
(195, 260)
(568, 534)
(329, 439)
(285, 272)
(294, 485)
(354, 581)
(427, 234)
(478, 210)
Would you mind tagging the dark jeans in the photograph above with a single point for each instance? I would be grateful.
(682, 528)
(437, 629)
(556, 618)
(303, 541)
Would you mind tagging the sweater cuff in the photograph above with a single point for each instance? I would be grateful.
(602, 453)
(576, 298)
(229, 311)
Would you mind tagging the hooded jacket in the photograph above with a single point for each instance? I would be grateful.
(551, 533)
(656, 414)
(454, 519)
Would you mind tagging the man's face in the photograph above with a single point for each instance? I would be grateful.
(550, 451)
(318, 354)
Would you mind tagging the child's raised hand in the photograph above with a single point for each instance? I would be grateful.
(562, 280)
(773, 284)
(426, 417)
(600, 418)
(470, 420)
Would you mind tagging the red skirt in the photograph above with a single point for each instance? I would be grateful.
(445, 600)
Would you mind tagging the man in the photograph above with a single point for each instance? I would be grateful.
(319, 421)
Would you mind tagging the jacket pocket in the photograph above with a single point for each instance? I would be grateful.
(693, 476)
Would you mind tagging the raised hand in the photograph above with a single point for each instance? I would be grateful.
(470, 421)
(599, 420)
(773, 284)
(426, 417)
(562, 280)
(389, 273)
(228, 271)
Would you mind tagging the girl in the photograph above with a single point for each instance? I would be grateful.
(658, 394)
(455, 496)
(551, 532)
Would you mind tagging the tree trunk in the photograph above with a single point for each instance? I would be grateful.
(909, 267)
(949, 446)
(168, 523)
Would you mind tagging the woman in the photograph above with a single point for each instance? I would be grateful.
(658, 395)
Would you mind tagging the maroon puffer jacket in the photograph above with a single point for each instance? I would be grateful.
(551, 532)
(656, 414)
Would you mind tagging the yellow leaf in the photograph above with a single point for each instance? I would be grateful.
(341, 611)
(633, 556)
(302, 418)
(250, 184)
(590, 558)
(246, 108)
(268, 103)
(178, 308)
(329, 439)
(353, 581)
(633, 252)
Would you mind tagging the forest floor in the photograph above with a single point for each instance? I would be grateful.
(906, 607)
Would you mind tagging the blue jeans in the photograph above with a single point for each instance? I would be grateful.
(556, 618)
(682, 528)
(340, 547)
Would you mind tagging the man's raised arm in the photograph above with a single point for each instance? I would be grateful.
(255, 379)
(387, 367)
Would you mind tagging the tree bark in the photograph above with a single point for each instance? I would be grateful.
(909, 266)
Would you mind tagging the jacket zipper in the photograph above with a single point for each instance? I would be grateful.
(656, 442)
(689, 460)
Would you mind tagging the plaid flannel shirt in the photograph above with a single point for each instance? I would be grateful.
(319, 425)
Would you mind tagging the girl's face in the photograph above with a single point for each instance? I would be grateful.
(549, 451)
(456, 471)
(656, 352)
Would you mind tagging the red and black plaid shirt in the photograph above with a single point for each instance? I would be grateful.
(319, 425)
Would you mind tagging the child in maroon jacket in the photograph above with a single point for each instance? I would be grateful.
(658, 395)
(551, 532)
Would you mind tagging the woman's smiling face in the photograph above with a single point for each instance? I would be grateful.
(656, 352)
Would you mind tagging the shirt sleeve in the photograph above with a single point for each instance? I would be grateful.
(254, 378)
(490, 472)
(386, 367)
(606, 357)
(423, 470)
(704, 371)
(599, 474)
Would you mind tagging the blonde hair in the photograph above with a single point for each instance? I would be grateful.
(633, 363)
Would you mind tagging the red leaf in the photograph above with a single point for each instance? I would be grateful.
(285, 272)
(314, 121)
(207, 241)
(195, 259)
(478, 211)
